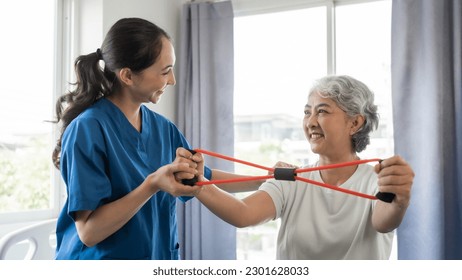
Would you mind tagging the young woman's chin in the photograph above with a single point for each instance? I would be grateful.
(155, 98)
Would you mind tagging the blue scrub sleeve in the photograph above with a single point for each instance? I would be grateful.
(82, 167)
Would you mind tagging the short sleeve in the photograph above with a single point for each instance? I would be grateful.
(274, 189)
(83, 162)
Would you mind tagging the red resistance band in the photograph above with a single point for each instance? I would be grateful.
(289, 174)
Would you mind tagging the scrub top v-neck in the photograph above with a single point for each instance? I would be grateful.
(103, 158)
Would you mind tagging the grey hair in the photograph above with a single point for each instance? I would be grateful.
(354, 98)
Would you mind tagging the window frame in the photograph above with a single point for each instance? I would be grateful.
(64, 44)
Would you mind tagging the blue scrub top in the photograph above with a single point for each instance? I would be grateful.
(103, 158)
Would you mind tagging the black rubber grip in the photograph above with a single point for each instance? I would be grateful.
(385, 196)
(286, 174)
(193, 181)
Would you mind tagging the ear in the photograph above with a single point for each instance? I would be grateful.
(357, 123)
(125, 76)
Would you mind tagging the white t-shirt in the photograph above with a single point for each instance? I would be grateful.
(318, 223)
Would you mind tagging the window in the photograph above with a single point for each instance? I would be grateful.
(363, 50)
(277, 57)
(28, 82)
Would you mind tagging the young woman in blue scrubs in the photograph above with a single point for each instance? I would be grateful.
(120, 161)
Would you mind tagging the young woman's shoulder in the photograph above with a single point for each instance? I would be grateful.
(159, 120)
(101, 109)
(93, 118)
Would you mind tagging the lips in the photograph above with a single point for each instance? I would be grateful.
(161, 91)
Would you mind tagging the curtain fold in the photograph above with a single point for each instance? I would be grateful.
(427, 102)
(205, 115)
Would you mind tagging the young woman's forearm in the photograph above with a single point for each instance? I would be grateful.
(95, 226)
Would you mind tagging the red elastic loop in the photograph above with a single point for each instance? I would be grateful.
(233, 159)
(298, 170)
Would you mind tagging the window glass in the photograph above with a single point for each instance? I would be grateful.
(363, 50)
(277, 58)
(26, 102)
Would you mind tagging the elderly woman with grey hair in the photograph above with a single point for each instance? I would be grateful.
(321, 223)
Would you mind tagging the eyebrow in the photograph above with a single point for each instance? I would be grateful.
(167, 67)
(307, 106)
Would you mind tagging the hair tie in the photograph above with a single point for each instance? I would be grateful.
(99, 54)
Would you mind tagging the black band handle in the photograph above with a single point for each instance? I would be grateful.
(385, 196)
(283, 173)
(193, 181)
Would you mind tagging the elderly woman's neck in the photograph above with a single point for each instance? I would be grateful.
(333, 159)
(338, 176)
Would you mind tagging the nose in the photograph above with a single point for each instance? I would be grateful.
(171, 79)
(310, 121)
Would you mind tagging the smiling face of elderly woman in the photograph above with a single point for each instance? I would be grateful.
(339, 116)
(328, 128)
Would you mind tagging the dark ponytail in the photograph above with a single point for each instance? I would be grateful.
(131, 42)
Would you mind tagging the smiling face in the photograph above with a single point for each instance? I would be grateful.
(327, 128)
(150, 84)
